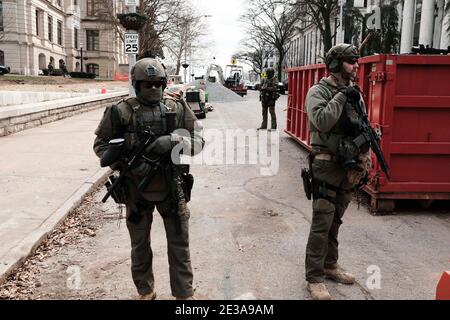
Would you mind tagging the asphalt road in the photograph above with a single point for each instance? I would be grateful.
(248, 234)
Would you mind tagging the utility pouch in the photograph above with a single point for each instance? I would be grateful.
(307, 182)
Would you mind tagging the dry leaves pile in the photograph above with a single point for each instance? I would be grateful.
(81, 222)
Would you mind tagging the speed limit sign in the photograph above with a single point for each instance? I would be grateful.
(131, 43)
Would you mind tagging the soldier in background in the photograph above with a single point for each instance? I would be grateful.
(268, 96)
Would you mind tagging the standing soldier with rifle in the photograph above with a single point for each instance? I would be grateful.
(268, 96)
(341, 137)
(136, 137)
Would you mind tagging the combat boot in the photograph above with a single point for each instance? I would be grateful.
(339, 275)
(147, 296)
(187, 298)
(318, 291)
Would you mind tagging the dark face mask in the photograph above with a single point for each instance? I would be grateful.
(150, 96)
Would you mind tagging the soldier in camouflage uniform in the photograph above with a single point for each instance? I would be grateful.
(330, 123)
(268, 96)
(126, 120)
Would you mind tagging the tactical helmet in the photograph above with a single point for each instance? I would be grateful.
(338, 54)
(148, 69)
(270, 72)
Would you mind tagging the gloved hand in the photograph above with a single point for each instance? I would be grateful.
(361, 169)
(142, 169)
(352, 93)
(161, 145)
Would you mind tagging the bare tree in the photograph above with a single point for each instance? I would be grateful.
(321, 13)
(161, 15)
(255, 53)
(185, 35)
(274, 21)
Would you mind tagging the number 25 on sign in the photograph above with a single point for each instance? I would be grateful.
(131, 43)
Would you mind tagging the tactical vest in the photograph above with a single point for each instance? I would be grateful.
(132, 119)
(342, 129)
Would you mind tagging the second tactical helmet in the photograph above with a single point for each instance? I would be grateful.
(148, 69)
(338, 54)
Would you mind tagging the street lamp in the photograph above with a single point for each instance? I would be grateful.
(80, 57)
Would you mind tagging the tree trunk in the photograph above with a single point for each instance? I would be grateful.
(327, 36)
(280, 62)
(178, 66)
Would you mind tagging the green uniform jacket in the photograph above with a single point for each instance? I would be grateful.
(269, 90)
(328, 114)
(128, 110)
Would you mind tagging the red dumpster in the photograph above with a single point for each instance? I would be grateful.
(408, 98)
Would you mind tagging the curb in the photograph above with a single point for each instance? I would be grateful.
(24, 249)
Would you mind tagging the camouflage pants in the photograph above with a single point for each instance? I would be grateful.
(322, 247)
(268, 106)
(180, 269)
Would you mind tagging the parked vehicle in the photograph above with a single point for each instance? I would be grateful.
(4, 70)
(195, 98)
(233, 81)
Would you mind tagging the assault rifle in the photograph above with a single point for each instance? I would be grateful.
(367, 133)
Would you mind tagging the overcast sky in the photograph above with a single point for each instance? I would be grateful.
(225, 29)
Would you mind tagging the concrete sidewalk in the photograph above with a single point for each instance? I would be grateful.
(44, 173)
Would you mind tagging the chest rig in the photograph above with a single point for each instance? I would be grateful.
(137, 119)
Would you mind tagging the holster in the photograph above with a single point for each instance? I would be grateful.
(187, 182)
(119, 193)
(307, 182)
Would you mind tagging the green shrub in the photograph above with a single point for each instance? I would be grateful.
(57, 73)
(85, 75)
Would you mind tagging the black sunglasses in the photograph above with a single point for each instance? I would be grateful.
(351, 60)
(156, 84)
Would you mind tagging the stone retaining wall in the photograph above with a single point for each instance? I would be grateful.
(18, 123)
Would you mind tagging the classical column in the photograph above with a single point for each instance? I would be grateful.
(445, 37)
(426, 23)
(407, 27)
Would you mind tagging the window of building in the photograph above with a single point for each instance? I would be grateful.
(92, 7)
(58, 2)
(417, 23)
(92, 68)
(92, 40)
(2, 58)
(1, 15)
(50, 28)
(59, 32)
(75, 38)
(75, 2)
(42, 64)
(37, 22)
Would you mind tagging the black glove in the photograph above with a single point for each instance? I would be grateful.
(161, 145)
(352, 93)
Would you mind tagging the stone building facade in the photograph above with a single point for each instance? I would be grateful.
(420, 22)
(35, 33)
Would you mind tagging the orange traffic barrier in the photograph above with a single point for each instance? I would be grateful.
(443, 287)
(121, 77)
